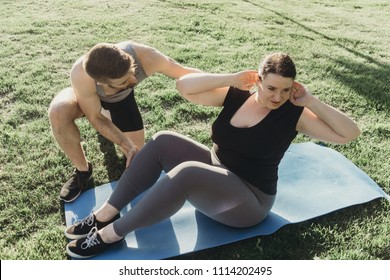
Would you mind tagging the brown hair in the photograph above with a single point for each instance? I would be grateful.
(279, 64)
(107, 61)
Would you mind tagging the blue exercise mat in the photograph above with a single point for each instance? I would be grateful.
(313, 181)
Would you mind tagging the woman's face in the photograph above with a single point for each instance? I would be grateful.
(274, 90)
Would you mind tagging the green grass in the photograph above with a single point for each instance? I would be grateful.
(341, 49)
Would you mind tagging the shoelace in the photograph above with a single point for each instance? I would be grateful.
(89, 220)
(91, 239)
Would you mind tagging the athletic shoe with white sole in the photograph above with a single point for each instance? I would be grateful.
(89, 246)
(76, 184)
(80, 229)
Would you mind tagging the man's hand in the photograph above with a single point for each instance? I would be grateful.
(130, 154)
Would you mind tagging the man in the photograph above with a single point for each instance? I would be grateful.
(102, 90)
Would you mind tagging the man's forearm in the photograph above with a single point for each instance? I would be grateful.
(107, 129)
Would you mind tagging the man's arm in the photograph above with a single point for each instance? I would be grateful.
(153, 61)
(88, 100)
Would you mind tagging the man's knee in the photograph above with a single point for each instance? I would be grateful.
(58, 113)
(63, 108)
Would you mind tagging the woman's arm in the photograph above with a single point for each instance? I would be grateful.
(211, 89)
(322, 121)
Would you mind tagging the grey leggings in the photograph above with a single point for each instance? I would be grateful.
(193, 173)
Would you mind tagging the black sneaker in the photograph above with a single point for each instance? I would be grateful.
(76, 184)
(89, 246)
(80, 229)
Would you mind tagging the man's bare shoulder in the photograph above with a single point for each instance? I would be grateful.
(149, 57)
(82, 83)
(142, 49)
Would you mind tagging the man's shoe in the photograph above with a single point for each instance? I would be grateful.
(89, 246)
(80, 229)
(76, 184)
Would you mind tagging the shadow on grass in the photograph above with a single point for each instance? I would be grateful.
(114, 164)
(303, 241)
(368, 78)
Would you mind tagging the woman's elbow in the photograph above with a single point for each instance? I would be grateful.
(179, 86)
(355, 134)
(352, 136)
(182, 88)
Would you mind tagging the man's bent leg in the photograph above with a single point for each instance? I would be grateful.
(63, 112)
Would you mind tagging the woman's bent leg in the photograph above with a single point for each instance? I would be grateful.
(161, 153)
(214, 191)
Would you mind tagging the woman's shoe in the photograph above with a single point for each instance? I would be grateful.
(89, 246)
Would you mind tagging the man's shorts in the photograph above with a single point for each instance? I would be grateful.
(125, 113)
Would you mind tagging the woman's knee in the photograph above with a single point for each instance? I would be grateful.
(179, 148)
(164, 136)
(164, 139)
(190, 168)
(190, 174)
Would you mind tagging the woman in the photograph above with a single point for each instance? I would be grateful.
(233, 183)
